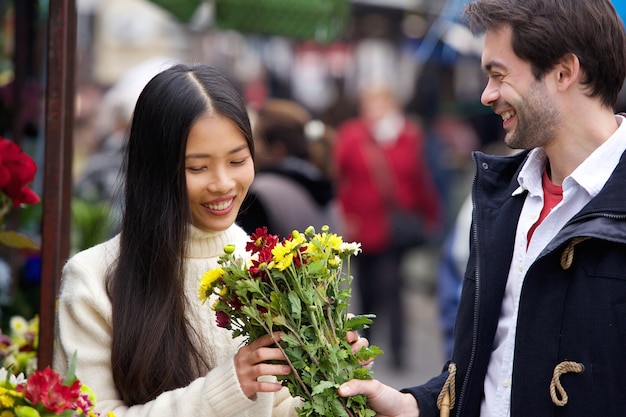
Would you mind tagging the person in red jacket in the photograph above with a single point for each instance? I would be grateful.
(379, 164)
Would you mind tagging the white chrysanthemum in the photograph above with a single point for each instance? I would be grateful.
(13, 380)
(350, 248)
(19, 325)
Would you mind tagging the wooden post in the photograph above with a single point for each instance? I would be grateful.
(57, 189)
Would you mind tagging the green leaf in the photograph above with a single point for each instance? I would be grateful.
(290, 339)
(17, 240)
(317, 267)
(26, 411)
(322, 386)
(279, 320)
(359, 322)
(296, 306)
(70, 375)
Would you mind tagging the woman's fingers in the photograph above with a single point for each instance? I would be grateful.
(252, 362)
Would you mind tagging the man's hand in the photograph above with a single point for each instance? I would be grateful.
(385, 400)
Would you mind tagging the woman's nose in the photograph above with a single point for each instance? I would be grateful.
(220, 181)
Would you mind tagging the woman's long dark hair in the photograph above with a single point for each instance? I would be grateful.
(152, 349)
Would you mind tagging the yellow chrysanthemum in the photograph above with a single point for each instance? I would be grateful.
(283, 257)
(33, 325)
(333, 241)
(324, 243)
(297, 238)
(6, 400)
(283, 252)
(334, 263)
(7, 413)
(207, 282)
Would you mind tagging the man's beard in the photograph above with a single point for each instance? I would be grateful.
(537, 121)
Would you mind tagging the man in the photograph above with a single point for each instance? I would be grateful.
(541, 326)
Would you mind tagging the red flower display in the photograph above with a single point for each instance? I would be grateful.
(17, 170)
(46, 387)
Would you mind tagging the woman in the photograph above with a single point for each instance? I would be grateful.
(129, 307)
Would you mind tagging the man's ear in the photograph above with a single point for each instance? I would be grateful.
(567, 71)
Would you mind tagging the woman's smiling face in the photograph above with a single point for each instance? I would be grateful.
(219, 170)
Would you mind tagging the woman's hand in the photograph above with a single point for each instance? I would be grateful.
(251, 363)
(356, 343)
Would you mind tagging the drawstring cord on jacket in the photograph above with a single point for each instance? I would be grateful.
(447, 396)
(555, 385)
(568, 254)
(567, 257)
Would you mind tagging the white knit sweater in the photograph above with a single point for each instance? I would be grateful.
(84, 326)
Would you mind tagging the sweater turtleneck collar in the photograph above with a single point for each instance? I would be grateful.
(204, 244)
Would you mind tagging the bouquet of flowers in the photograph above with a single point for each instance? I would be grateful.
(45, 394)
(297, 286)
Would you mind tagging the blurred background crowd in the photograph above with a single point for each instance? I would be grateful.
(319, 77)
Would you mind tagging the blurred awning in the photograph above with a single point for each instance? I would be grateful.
(183, 10)
(319, 20)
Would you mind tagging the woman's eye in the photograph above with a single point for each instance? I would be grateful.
(240, 161)
(195, 169)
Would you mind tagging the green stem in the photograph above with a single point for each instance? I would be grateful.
(293, 368)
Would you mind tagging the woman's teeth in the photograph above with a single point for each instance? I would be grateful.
(218, 206)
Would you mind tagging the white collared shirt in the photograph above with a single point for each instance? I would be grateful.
(578, 189)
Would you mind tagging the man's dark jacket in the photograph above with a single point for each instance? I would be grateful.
(572, 304)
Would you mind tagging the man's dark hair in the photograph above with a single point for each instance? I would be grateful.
(543, 31)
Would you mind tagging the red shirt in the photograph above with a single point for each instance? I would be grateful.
(552, 195)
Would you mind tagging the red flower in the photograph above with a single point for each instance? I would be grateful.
(301, 259)
(258, 265)
(17, 170)
(46, 387)
(223, 319)
(234, 302)
(261, 240)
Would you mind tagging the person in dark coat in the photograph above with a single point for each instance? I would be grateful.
(541, 325)
(289, 191)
